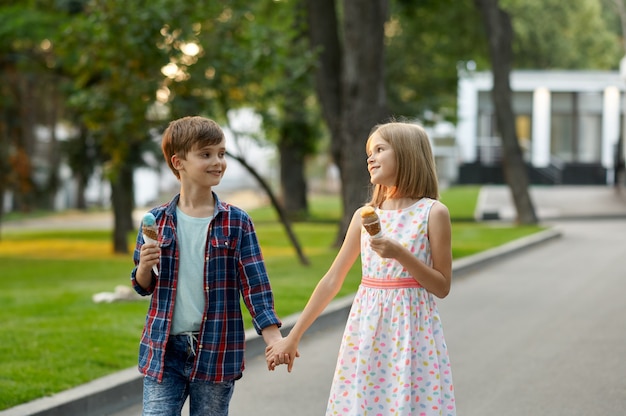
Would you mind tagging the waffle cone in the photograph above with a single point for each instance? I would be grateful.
(370, 221)
(372, 228)
(150, 233)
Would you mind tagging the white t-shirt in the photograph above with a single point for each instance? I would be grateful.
(191, 234)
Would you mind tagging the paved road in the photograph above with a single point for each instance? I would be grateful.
(555, 202)
(543, 333)
(540, 333)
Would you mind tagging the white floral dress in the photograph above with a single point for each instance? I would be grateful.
(393, 358)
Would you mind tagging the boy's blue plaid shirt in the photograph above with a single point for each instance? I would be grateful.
(234, 268)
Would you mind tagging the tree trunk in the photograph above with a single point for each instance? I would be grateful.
(3, 173)
(500, 36)
(81, 188)
(350, 87)
(4, 161)
(122, 191)
(54, 153)
(363, 98)
(82, 160)
(295, 133)
(292, 180)
(324, 39)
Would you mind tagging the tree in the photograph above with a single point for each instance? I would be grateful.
(111, 53)
(283, 94)
(296, 136)
(619, 8)
(552, 34)
(424, 41)
(350, 87)
(29, 97)
(242, 61)
(500, 37)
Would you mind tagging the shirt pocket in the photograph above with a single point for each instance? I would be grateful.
(222, 260)
(222, 246)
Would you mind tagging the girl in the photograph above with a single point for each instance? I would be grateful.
(393, 358)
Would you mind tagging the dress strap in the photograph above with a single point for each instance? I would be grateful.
(398, 283)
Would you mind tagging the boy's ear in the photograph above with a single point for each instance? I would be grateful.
(176, 162)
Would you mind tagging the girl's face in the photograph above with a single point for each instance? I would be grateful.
(381, 162)
(204, 166)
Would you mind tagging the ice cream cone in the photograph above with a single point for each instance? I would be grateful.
(150, 232)
(371, 222)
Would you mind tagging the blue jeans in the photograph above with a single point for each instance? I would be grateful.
(168, 397)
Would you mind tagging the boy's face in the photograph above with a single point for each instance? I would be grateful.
(204, 166)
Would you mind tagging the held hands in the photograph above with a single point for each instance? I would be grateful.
(284, 351)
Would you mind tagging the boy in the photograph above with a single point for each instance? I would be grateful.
(208, 257)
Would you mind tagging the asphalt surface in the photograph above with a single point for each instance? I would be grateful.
(537, 333)
(540, 332)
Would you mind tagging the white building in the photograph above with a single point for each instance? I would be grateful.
(568, 125)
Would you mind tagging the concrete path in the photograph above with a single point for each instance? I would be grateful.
(555, 202)
(540, 333)
(543, 333)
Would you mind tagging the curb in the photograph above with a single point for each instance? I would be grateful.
(467, 265)
(115, 392)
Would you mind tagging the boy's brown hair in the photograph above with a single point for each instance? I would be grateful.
(187, 133)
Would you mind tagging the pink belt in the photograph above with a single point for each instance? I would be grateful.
(389, 283)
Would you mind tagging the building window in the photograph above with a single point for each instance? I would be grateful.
(576, 127)
(523, 131)
(590, 140)
(589, 143)
(561, 132)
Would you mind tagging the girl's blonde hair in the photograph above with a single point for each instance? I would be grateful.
(416, 172)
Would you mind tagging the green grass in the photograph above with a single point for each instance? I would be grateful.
(461, 201)
(53, 337)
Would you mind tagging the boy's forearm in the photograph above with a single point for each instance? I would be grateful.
(143, 277)
(271, 334)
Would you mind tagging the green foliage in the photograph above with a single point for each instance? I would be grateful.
(552, 34)
(425, 40)
(251, 55)
(106, 58)
(111, 54)
(23, 28)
